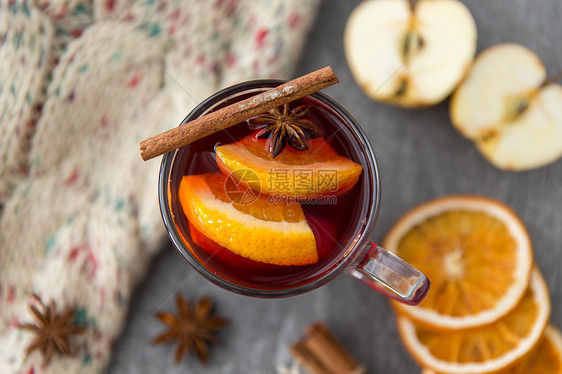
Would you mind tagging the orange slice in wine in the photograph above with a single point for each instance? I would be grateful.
(251, 226)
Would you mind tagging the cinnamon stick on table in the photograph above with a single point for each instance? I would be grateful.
(321, 353)
(237, 112)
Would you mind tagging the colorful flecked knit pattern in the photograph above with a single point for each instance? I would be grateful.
(82, 82)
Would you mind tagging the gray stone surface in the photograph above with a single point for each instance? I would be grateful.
(421, 157)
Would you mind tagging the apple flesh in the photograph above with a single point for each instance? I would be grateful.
(411, 54)
(506, 107)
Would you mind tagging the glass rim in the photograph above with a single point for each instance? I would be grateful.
(350, 254)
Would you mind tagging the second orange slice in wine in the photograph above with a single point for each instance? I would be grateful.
(317, 171)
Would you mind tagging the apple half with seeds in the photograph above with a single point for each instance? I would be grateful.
(410, 53)
(510, 109)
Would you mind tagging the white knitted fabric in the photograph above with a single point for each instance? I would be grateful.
(82, 82)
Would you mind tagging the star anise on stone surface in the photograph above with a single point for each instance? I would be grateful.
(192, 327)
(51, 330)
(284, 125)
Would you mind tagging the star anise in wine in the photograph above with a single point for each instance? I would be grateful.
(284, 125)
(192, 327)
(51, 330)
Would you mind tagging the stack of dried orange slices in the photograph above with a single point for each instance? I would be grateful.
(488, 307)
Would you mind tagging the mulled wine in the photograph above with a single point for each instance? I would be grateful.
(266, 221)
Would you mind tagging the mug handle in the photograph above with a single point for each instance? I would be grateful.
(390, 275)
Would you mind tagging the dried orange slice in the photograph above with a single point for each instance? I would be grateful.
(317, 171)
(484, 349)
(475, 251)
(254, 228)
(546, 358)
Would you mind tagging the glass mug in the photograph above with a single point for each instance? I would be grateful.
(350, 248)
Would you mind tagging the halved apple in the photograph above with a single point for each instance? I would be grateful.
(410, 53)
(508, 108)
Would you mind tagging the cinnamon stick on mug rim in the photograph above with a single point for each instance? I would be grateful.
(237, 112)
